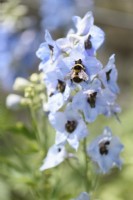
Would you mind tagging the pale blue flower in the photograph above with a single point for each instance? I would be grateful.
(93, 101)
(105, 151)
(109, 75)
(88, 36)
(59, 98)
(69, 126)
(54, 72)
(57, 88)
(87, 33)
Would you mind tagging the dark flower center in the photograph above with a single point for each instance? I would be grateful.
(51, 94)
(108, 75)
(61, 86)
(71, 126)
(92, 99)
(103, 147)
(50, 47)
(59, 149)
(87, 43)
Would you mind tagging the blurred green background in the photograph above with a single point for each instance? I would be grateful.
(22, 26)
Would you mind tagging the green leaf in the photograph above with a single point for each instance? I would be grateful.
(22, 129)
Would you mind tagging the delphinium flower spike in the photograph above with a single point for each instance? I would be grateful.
(79, 89)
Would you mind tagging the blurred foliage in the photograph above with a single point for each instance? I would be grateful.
(21, 155)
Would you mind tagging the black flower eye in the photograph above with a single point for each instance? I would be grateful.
(59, 149)
(108, 74)
(92, 99)
(70, 126)
(103, 147)
(87, 43)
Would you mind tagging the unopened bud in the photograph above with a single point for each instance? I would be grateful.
(34, 78)
(20, 84)
(13, 101)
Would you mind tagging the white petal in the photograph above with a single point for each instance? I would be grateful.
(73, 141)
(97, 36)
(61, 137)
(55, 156)
(58, 120)
(55, 102)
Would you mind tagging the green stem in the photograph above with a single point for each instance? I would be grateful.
(35, 126)
(86, 183)
(96, 184)
(45, 134)
(74, 168)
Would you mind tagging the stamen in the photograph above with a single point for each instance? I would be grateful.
(51, 94)
(61, 86)
(108, 75)
(103, 147)
(92, 99)
(51, 47)
(87, 43)
(59, 149)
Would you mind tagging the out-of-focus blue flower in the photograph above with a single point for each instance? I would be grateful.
(16, 54)
(105, 151)
(109, 75)
(55, 13)
(56, 155)
(83, 196)
(69, 126)
(19, 40)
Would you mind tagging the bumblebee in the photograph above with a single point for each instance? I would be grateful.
(77, 73)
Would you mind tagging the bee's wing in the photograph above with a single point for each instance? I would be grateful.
(83, 75)
(68, 76)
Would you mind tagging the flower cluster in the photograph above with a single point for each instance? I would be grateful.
(79, 89)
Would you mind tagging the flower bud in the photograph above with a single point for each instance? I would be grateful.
(20, 84)
(34, 78)
(13, 101)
